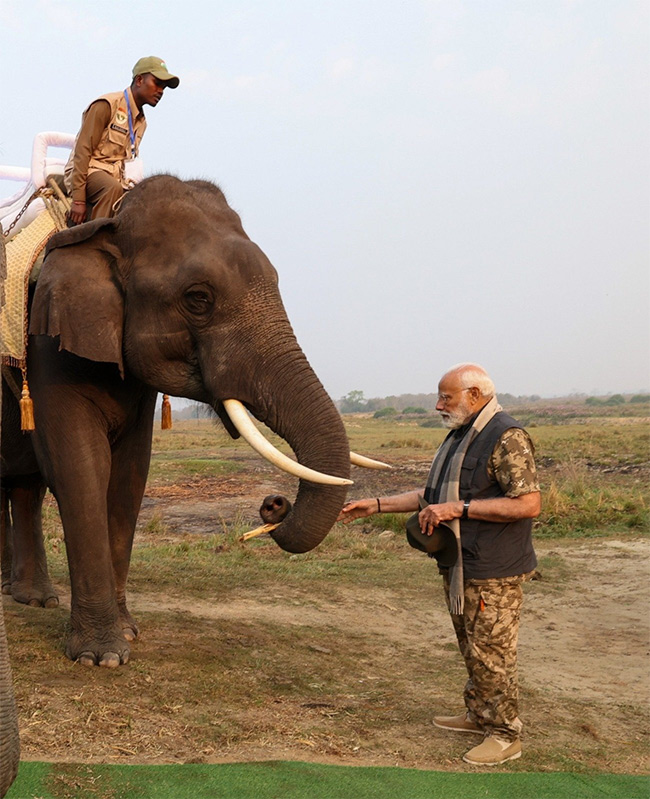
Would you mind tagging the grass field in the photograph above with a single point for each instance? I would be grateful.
(342, 655)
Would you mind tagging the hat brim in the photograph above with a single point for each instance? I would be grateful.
(171, 81)
(441, 543)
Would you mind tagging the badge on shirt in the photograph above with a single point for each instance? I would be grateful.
(118, 128)
(120, 117)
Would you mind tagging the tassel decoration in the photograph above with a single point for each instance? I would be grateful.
(26, 409)
(166, 413)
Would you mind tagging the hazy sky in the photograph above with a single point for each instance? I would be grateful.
(435, 180)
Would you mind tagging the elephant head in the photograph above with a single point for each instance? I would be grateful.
(174, 293)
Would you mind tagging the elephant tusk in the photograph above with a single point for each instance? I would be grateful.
(368, 463)
(242, 421)
(265, 528)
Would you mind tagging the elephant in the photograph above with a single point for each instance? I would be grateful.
(9, 740)
(170, 295)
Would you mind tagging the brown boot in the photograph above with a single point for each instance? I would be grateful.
(460, 723)
(493, 751)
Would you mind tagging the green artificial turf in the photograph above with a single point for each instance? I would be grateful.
(293, 780)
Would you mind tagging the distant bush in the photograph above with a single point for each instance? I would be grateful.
(640, 398)
(405, 443)
(594, 401)
(435, 422)
(384, 412)
(615, 399)
(411, 409)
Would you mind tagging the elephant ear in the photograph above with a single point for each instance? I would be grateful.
(79, 296)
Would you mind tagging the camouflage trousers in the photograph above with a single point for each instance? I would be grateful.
(487, 633)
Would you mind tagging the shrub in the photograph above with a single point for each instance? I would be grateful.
(615, 399)
(640, 398)
(384, 412)
(405, 443)
(434, 422)
(411, 409)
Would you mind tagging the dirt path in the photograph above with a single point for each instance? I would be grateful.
(591, 640)
(588, 642)
(592, 643)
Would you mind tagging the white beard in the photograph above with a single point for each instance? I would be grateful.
(456, 419)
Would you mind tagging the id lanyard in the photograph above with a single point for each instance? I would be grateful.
(131, 133)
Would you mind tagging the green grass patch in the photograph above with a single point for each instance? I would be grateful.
(175, 466)
(296, 780)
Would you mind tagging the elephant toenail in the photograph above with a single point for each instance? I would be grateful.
(86, 659)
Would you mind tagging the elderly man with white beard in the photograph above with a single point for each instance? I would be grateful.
(483, 485)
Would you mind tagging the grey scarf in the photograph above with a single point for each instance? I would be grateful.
(449, 492)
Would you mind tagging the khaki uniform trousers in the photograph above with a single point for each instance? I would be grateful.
(102, 192)
(487, 634)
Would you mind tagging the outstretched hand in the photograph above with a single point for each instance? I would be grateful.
(357, 509)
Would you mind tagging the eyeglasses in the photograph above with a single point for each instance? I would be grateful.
(444, 398)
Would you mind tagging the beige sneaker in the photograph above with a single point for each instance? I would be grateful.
(493, 751)
(457, 723)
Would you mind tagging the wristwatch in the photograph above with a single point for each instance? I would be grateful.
(465, 509)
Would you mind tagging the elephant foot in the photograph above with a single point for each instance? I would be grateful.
(6, 587)
(110, 650)
(35, 595)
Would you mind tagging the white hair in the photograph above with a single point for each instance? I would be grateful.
(472, 375)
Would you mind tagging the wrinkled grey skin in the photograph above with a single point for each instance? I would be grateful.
(170, 296)
(9, 740)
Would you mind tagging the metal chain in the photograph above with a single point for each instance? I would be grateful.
(24, 208)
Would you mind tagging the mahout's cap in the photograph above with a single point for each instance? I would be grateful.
(158, 69)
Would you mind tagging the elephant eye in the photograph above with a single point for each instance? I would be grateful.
(198, 301)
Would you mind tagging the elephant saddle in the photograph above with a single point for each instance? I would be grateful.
(24, 252)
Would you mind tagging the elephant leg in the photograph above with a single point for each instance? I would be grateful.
(30, 581)
(6, 541)
(78, 472)
(129, 470)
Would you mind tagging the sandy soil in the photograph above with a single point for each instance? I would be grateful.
(590, 645)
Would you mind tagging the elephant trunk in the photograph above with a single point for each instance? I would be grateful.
(279, 387)
(314, 430)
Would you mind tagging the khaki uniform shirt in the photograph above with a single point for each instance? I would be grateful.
(103, 142)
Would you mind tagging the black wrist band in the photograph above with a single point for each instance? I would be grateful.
(378, 505)
(465, 509)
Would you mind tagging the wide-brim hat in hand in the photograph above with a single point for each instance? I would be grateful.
(441, 543)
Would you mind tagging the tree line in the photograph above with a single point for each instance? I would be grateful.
(356, 402)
